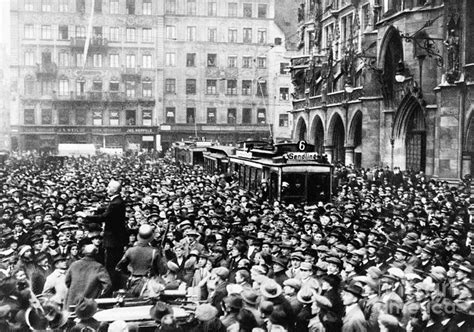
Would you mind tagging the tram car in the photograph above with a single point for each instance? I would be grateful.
(289, 172)
(190, 152)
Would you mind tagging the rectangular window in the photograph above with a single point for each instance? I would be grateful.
(170, 59)
(97, 118)
(97, 32)
(79, 59)
(81, 117)
(146, 7)
(80, 31)
(212, 35)
(63, 59)
(80, 88)
(114, 6)
(114, 61)
(114, 34)
(261, 117)
(191, 60)
(232, 61)
(46, 5)
(284, 94)
(170, 6)
(98, 6)
(190, 86)
(146, 61)
(211, 87)
(211, 115)
(97, 86)
(63, 32)
(232, 9)
(97, 60)
(231, 115)
(147, 35)
(190, 115)
(81, 6)
(63, 6)
(29, 58)
(191, 33)
(170, 85)
(130, 6)
(63, 116)
(262, 36)
(212, 8)
(262, 11)
(212, 60)
(232, 35)
(261, 62)
(247, 62)
(170, 115)
(247, 10)
(130, 61)
(170, 32)
(114, 86)
(262, 89)
(191, 7)
(283, 120)
(47, 116)
(246, 87)
(114, 117)
(29, 31)
(29, 5)
(147, 89)
(246, 115)
(247, 38)
(29, 86)
(146, 117)
(284, 68)
(29, 116)
(130, 89)
(131, 35)
(46, 32)
(131, 117)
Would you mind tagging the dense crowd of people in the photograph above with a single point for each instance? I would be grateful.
(392, 251)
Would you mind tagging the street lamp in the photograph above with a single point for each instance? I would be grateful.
(400, 76)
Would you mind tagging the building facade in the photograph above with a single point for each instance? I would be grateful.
(386, 83)
(153, 72)
(4, 101)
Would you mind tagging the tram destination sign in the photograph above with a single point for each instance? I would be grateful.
(301, 156)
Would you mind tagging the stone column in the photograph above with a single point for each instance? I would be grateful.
(329, 151)
(349, 153)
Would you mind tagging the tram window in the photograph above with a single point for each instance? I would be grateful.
(318, 187)
(258, 178)
(295, 187)
(274, 185)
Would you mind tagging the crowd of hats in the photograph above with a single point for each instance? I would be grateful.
(374, 228)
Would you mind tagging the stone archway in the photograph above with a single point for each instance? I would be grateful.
(355, 138)
(301, 130)
(317, 133)
(336, 138)
(409, 134)
(469, 147)
(391, 53)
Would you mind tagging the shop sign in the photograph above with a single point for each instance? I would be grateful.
(301, 156)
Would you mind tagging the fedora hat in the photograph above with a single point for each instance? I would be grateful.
(270, 289)
(293, 283)
(354, 289)
(249, 296)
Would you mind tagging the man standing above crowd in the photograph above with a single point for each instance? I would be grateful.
(115, 231)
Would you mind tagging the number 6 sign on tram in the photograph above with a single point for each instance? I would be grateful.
(302, 146)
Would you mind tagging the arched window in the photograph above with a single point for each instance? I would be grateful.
(29, 85)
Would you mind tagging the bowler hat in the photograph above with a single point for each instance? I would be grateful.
(354, 289)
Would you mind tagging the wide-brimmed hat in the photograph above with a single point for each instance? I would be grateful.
(270, 289)
(86, 308)
(305, 295)
(205, 312)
